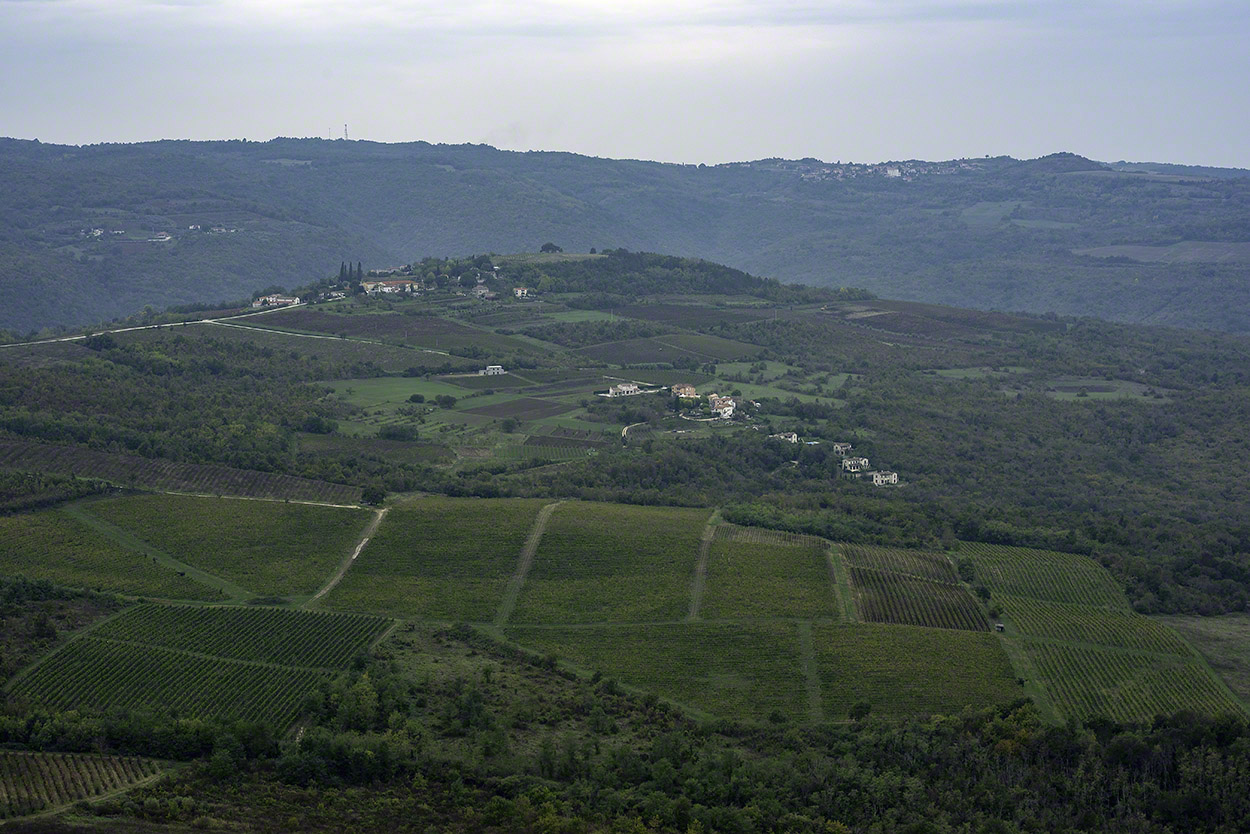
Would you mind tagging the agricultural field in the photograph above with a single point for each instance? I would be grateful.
(885, 597)
(521, 408)
(544, 451)
(612, 563)
(1085, 624)
(330, 350)
(1225, 643)
(1044, 574)
(397, 451)
(391, 391)
(54, 545)
(723, 669)
(439, 559)
(103, 675)
(1084, 682)
(430, 332)
(264, 635)
(903, 670)
(636, 351)
(751, 574)
(1094, 388)
(709, 347)
(267, 547)
(917, 563)
(691, 315)
(34, 782)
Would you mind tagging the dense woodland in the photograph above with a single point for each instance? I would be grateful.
(994, 232)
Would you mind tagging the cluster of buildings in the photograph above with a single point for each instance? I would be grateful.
(852, 466)
(275, 301)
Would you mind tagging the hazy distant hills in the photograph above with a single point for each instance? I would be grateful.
(95, 232)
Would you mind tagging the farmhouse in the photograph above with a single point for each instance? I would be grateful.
(722, 406)
(492, 370)
(377, 287)
(883, 477)
(788, 436)
(480, 291)
(683, 389)
(854, 464)
(842, 449)
(521, 292)
(275, 300)
(625, 389)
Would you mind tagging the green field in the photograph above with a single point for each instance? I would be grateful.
(612, 563)
(709, 347)
(1084, 682)
(392, 391)
(55, 546)
(1043, 574)
(1225, 643)
(918, 563)
(903, 670)
(724, 669)
(267, 547)
(103, 675)
(264, 635)
(1084, 624)
(751, 574)
(439, 559)
(34, 782)
(885, 597)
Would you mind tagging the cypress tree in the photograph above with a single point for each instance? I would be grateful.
(342, 272)
(360, 273)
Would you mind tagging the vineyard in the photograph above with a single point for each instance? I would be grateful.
(750, 576)
(200, 478)
(885, 597)
(99, 674)
(439, 558)
(1126, 686)
(612, 563)
(55, 546)
(725, 669)
(267, 547)
(266, 635)
(1083, 624)
(33, 782)
(1044, 574)
(901, 670)
(917, 563)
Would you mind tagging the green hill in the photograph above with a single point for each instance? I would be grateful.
(240, 216)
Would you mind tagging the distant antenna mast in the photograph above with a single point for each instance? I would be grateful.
(344, 130)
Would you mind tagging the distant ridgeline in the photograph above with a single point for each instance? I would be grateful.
(104, 230)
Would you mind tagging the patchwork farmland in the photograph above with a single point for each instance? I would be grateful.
(35, 782)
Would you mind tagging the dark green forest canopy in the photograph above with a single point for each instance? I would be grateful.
(1161, 244)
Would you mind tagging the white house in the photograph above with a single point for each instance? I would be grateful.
(492, 370)
(625, 389)
(843, 449)
(722, 406)
(855, 464)
(521, 292)
(884, 477)
(275, 301)
(788, 436)
(684, 390)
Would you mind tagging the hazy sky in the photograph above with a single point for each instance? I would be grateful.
(675, 80)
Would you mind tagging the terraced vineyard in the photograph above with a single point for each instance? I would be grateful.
(267, 547)
(204, 479)
(752, 574)
(159, 658)
(266, 635)
(885, 597)
(103, 675)
(55, 546)
(1085, 624)
(902, 670)
(1085, 682)
(439, 558)
(1044, 574)
(612, 563)
(725, 669)
(918, 563)
(33, 782)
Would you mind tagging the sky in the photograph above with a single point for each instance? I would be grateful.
(671, 80)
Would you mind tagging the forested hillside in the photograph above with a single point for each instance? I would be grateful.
(101, 231)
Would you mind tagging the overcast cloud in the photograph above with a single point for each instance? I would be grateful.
(680, 81)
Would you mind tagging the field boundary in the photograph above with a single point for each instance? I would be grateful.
(163, 769)
(132, 542)
(840, 580)
(76, 636)
(698, 585)
(370, 529)
(263, 664)
(513, 592)
(811, 676)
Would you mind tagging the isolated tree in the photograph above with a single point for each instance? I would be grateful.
(343, 272)
(549, 247)
(360, 272)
